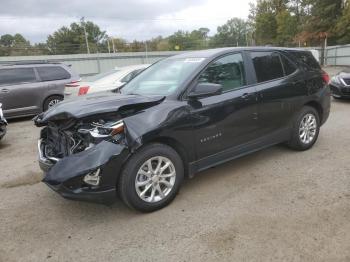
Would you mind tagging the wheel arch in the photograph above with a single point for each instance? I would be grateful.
(318, 108)
(177, 146)
(49, 96)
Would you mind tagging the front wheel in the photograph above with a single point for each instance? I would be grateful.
(306, 128)
(151, 178)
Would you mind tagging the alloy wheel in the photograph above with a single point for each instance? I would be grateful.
(155, 179)
(53, 102)
(308, 129)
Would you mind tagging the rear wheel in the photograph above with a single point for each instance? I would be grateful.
(306, 128)
(51, 101)
(151, 178)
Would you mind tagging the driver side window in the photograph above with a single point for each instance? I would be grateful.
(227, 71)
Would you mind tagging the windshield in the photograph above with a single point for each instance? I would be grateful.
(102, 76)
(162, 78)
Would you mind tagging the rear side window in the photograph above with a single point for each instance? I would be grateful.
(17, 76)
(288, 66)
(50, 73)
(227, 71)
(307, 59)
(268, 66)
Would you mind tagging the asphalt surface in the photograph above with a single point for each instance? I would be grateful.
(273, 205)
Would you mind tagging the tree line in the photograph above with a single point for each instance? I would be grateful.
(270, 22)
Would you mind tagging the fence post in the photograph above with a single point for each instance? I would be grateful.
(98, 63)
(335, 55)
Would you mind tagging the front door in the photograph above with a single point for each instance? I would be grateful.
(227, 120)
(18, 91)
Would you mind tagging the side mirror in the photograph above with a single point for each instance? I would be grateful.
(204, 90)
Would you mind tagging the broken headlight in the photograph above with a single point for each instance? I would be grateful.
(99, 132)
(108, 130)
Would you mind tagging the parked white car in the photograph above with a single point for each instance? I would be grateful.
(110, 80)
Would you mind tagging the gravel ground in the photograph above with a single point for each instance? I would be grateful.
(274, 205)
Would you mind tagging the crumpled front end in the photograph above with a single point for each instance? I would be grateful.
(82, 159)
(3, 123)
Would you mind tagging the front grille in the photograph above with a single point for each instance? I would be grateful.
(347, 81)
(346, 91)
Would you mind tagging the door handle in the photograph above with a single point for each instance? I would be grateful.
(246, 96)
(5, 90)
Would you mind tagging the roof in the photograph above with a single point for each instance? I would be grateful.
(217, 51)
(30, 64)
(132, 67)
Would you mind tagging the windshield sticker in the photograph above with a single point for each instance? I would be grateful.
(194, 60)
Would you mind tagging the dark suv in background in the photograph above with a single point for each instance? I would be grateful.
(180, 116)
(31, 88)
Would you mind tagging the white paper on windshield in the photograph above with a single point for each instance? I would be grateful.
(194, 60)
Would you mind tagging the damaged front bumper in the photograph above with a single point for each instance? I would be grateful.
(2, 129)
(66, 175)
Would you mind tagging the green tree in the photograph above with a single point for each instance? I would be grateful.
(71, 40)
(15, 45)
(287, 28)
(265, 23)
(233, 33)
(321, 20)
(6, 40)
(342, 29)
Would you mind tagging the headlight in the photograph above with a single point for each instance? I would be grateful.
(336, 80)
(105, 131)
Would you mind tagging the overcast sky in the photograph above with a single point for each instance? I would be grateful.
(129, 19)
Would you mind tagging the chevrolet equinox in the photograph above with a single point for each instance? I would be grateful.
(180, 116)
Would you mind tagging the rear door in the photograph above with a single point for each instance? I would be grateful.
(229, 119)
(18, 91)
(276, 78)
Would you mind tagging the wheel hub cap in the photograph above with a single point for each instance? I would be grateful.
(155, 179)
(308, 129)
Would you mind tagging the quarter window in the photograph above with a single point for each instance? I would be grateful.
(50, 73)
(268, 66)
(17, 76)
(289, 67)
(227, 71)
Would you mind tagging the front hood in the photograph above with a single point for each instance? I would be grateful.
(344, 74)
(95, 104)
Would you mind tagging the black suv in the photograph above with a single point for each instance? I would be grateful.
(180, 116)
(29, 88)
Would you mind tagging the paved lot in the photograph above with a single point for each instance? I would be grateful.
(274, 205)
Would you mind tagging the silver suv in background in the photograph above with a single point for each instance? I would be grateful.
(31, 88)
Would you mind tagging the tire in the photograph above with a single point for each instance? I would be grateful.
(137, 172)
(51, 101)
(298, 141)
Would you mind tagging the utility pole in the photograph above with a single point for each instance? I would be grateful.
(146, 47)
(109, 48)
(113, 45)
(82, 20)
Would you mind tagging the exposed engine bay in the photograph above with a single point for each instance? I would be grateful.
(65, 138)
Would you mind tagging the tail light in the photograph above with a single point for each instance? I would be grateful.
(74, 83)
(325, 77)
(83, 90)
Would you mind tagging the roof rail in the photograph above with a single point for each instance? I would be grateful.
(28, 62)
